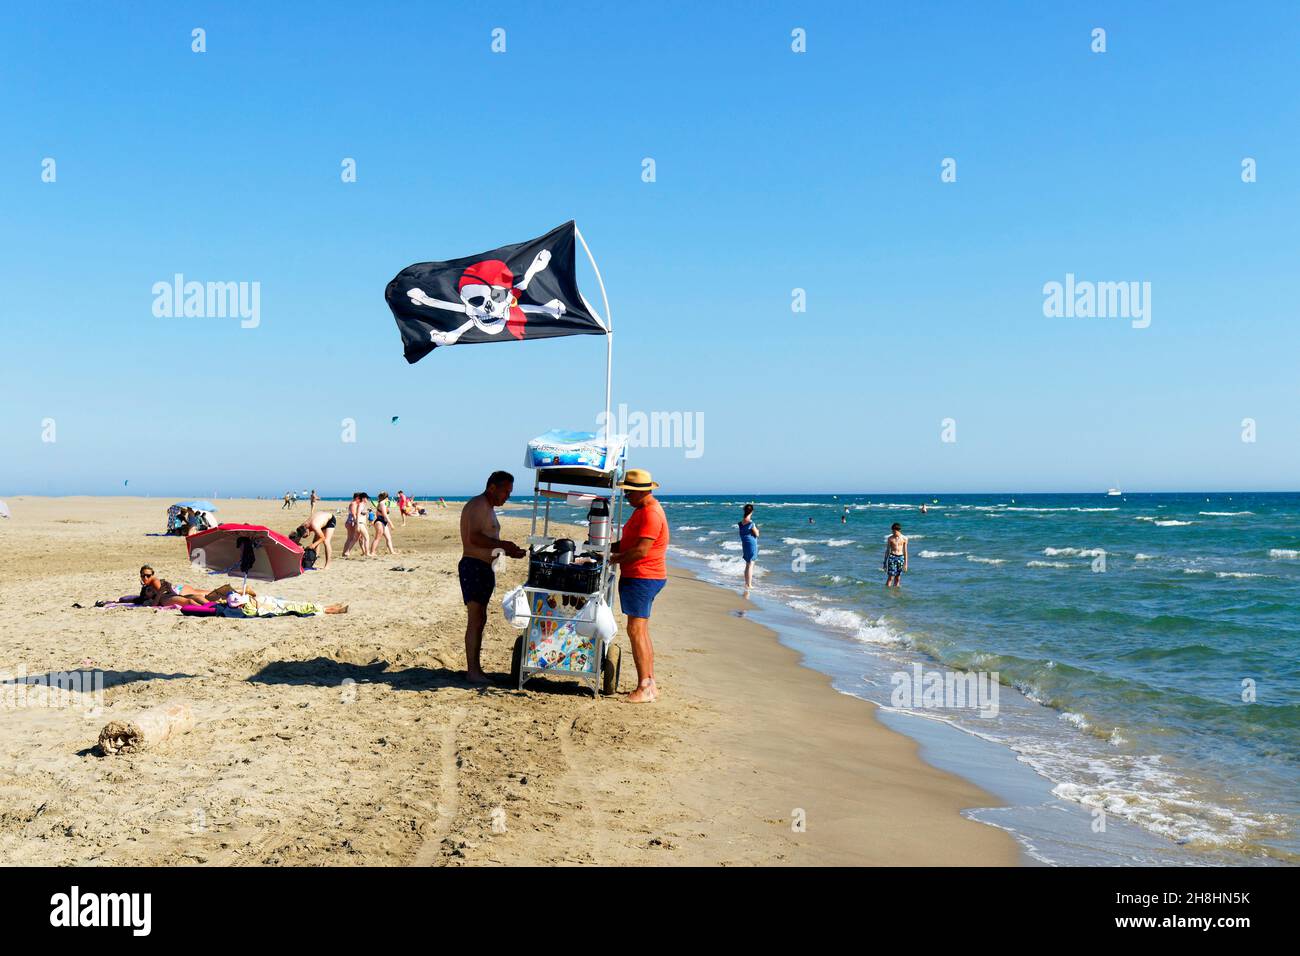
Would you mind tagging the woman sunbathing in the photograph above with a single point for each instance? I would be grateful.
(155, 592)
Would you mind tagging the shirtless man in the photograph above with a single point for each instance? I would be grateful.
(321, 526)
(480, 538)
(895, 555)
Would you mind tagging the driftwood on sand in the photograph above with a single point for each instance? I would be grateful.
(147, 730)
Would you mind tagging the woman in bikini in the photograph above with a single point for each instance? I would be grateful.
(355, 524)
(382, 525)
(155, 592)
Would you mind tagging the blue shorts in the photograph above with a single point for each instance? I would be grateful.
(636, 595)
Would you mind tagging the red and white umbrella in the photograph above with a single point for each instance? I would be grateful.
(245, 549)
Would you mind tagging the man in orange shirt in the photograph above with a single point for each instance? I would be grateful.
(640, 554)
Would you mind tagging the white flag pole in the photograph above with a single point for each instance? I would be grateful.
(608, 323)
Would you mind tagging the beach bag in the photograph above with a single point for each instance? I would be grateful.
(308, 558)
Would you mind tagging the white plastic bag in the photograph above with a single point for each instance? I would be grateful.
(515, 607)
(596, 619)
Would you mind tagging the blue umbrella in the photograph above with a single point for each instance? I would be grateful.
(197, 505)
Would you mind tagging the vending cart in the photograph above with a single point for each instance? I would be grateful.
(565, 608)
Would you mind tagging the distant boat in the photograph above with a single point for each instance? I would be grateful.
(1113, 493)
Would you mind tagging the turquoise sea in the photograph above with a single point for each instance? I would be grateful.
(1146, 647)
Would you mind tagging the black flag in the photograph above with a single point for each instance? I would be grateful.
(525, 291)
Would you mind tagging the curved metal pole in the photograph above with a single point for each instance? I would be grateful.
(609, 328)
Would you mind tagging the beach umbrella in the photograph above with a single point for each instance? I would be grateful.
(196, 505)
(245, 549)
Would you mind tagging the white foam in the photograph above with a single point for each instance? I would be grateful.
(1283, 554)
(832, 542)
(1145, 557)
(729, 565)
(1225, 514)
(979, 560)
(942, 554)
(1074, 552)
(689, 527)
(1170, 523)
(1049, 564)
(849, 622)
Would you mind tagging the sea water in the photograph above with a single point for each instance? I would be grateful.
(1147, 649)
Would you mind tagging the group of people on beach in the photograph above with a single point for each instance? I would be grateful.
(895, 563)
(317, 532)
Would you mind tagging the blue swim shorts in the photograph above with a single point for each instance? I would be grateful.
(636, 595)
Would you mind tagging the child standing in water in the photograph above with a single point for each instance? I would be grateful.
(895, 556)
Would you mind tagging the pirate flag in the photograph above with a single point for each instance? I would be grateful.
(525, 291)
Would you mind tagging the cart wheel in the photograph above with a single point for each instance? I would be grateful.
(517, 660)
(609, 671)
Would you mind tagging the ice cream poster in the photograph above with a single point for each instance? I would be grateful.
(553, 640)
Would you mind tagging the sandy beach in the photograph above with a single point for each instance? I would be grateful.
(351, 739)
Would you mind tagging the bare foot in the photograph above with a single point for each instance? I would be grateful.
(477, 677)
(645, 693)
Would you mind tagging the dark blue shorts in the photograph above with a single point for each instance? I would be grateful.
(477, 581)
(636, 595)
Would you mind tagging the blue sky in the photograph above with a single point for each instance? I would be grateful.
(775, 171)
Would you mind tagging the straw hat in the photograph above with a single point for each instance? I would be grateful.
(638, 479)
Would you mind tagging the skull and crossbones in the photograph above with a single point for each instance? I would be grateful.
(490, 299)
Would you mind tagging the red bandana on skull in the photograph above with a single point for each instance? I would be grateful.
(496, 274)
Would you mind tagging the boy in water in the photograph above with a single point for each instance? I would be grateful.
(895, 555)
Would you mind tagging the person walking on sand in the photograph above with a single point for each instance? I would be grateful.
(288, 501)
(480, 538)
(321, 525)
(364, 504)
(640, 554)
(382, 528)
(312, 502)
(749, 544)
(355, 524)
(402, 502)
(895, 555)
